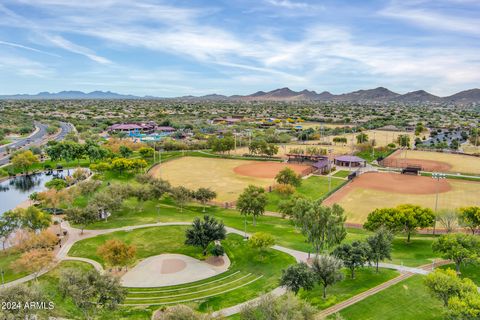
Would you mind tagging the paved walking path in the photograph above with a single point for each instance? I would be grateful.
(75, 235)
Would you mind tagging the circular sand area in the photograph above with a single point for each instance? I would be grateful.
(172, 269)
(268, 169)
(394, 183)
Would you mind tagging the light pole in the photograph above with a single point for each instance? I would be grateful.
(437, 176)
(2, 273)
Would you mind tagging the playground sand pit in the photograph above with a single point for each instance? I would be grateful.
(268, 169)
(434, 161)
(171, 269)
(220, 175)
(380, 190)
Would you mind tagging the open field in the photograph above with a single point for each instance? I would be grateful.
(225, 176)
(379, 190)
(435, 161)
(406, 300)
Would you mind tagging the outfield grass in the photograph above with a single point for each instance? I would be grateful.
(407, 300)
(261, 271)
(365, 278)
(7, 258)
(313, 188)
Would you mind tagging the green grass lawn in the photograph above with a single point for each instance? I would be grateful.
(6, 259)
(416, 253)
(313, 188)
(365, 278)
(341, 174)
(407, 300)
(262, 270)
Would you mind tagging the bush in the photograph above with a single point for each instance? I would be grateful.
(285, 189)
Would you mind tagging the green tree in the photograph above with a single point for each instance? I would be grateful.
(24, 160)
(217, 250)
(82, 216)
(57, 184)
(466, 307)
(9, 222)
(181, 195)
(33, 218)
(261, 241)
(252, 201)
(202, 233)
(469, 217)
(91, 291)
(362, 138)
(322, 226)
(146, 152)
(353, 255)
(403, 140)
(380, 246)
(287, 306)
(458, 247)
(23, 294)
(204, 195)
(298, 276)
(406, 218)
(288, 176)
(328, 271)
(446, 284)
(125, 151)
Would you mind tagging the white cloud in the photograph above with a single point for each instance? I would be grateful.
(289, 4)
(72, 47)
(429, 18)
(21, 46)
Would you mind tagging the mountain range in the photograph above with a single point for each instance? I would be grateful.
(377, 95)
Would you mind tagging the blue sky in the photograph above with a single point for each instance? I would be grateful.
(174, 48)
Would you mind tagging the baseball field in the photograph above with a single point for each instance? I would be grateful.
(435, 161)
(379, 190)
(227, 177)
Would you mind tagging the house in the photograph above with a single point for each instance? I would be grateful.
(140, 127)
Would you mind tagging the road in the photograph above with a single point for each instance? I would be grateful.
(38, 138)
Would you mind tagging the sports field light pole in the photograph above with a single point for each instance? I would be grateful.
(437, 176)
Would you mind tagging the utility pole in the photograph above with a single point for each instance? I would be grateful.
(437, 176)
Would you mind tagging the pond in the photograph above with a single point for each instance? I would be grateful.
(16, 190)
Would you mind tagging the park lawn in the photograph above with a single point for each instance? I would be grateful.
(282, 229)
(313, 188)
(170, 239)
(8, 257)
(365, 279)
(341, 174)
(406, 300)
(65, 308)
(148, 241)
(416, 253)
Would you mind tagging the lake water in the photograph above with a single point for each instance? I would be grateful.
(16, 190)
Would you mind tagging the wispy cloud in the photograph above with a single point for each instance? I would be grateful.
(428, 17)
(72, 47)
(21, 46)
(289, 4)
